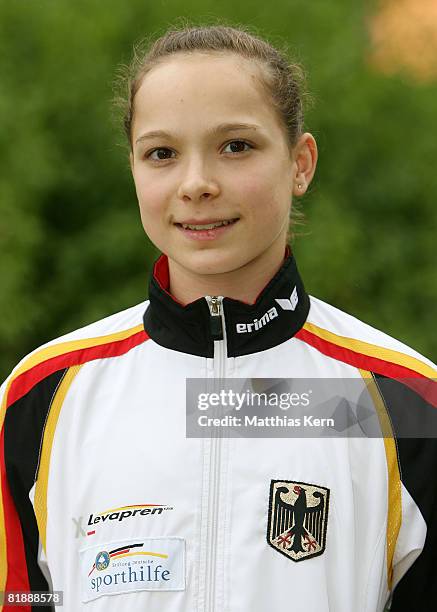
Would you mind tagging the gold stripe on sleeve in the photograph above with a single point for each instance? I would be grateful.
(61, 348)
(40, 500)
(373, 350)
(394, 499)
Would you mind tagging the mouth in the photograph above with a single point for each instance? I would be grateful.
(206, 226)
(206, 231)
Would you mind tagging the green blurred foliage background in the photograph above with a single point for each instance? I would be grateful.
(72, 248)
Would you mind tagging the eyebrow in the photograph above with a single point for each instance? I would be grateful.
(218, 129)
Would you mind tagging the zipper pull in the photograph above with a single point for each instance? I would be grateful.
(215, 308)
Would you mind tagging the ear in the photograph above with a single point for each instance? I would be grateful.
(131, 161)
(305, 157)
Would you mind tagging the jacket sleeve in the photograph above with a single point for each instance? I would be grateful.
(22, 424)
(414, 420)
(417, 590)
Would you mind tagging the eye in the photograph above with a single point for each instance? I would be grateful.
(237, 146)
(162, 153)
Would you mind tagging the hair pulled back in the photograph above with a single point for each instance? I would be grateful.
(284, 80)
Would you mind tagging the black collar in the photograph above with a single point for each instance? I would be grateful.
(278, 313)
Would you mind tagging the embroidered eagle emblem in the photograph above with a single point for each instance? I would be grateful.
(298, 519)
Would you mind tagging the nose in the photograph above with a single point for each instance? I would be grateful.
(197, 183)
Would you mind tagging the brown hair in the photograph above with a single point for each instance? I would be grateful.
(284, 80)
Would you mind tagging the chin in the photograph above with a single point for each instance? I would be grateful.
(211, 263)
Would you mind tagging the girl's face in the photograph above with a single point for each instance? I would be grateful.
(208, 147)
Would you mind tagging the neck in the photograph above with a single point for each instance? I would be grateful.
(243, 284)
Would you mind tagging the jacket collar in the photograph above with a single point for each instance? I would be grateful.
(278, 313)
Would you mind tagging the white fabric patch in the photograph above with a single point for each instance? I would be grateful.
(140, 564)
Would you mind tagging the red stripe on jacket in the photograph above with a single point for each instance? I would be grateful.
(419, 383)
(24, 382)
(17, 579)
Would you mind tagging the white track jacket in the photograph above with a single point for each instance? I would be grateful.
(105, 497)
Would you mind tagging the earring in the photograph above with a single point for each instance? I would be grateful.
(299, 186)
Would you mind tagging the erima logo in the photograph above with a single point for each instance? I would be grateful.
(285, 303)
(244, 328)
(289, 304)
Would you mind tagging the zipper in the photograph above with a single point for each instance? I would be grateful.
(218, 333)
(216, 324)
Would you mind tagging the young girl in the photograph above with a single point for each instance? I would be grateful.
(104, 496)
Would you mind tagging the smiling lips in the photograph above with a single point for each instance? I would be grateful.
(207, 230)
(205, 225)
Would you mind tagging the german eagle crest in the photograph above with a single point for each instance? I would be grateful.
(298, 519)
